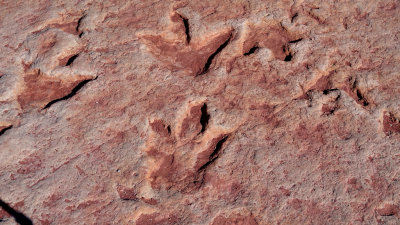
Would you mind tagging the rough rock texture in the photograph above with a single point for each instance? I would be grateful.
(200, 112)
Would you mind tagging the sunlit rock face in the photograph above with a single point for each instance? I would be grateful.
(200, 112)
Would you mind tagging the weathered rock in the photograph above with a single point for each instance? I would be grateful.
(126, 193)
(200, 112)
(241, 218)
(388, 210)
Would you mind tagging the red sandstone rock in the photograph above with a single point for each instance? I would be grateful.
(234, 219)
(390, 123)
(200, 112)
(388, 210)
(156, 219)
(126, 193)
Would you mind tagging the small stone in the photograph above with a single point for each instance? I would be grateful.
(388, 210)
(126, 193)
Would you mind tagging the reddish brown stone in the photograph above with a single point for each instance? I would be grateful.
(234, 219)
(126, 193)
(328, 108)
(159, 127)
(388, 210)
(390, 123)
(150, 201)
(156, 219)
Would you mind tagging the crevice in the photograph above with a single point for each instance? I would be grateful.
(354, 85)
(214, 155)
(295, 41)
(294, 17)
(19, 217)
(5, 129)
(187, 30)
(73, 92)
(212, 56)
(328, 109)
(79, 23)
(283, 27)
(205, 117)
(287, 52)
(327, 91)
(361, 99)
(315, 17)
(251, 51)
(71, 59)
(288, 57)
(332, 111)
(169, 129)
(309, 98)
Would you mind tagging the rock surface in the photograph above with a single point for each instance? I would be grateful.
(200, 112)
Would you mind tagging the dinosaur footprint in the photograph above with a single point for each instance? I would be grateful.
(49, 73)
(179, 157)
(268, 34)
(176, 49)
